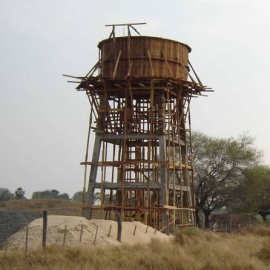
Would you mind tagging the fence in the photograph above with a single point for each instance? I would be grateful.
(228, 224)
(73, 231)
(66, 234)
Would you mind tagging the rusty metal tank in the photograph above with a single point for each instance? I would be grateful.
(143, 57)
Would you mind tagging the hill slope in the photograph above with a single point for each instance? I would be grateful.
(53, 206)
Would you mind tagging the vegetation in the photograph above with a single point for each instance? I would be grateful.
(50, 194)
(53, 206)
(219, 168)
(192, 249)
(227, 174)
(77, 197)
(19, 193)
(253, 194)
(5, 195)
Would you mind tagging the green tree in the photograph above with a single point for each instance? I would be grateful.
(19, 193)
(218, 168)
(50, 194)
(64, 196)
(253, 194)
(5, 195)
(77, 196)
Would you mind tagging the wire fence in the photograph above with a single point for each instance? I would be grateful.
(30, 237)
(229, 225)
(43, 233)
(7, 230)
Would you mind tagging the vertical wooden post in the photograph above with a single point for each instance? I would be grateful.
(26, 238)
(119, 228)
(44, 232)
(65, 236)
(96, 236)
(168, 223)
(109, 234)
(230, 225)
(203, 221)
(135, 230)
(146, 229)
(81, 233)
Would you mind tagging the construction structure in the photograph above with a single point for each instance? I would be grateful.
(140, 91)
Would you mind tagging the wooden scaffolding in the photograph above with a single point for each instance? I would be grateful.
(140, 92)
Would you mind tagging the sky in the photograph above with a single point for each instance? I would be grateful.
(44, 120)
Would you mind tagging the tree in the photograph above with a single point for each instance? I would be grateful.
(64, 196)
(218, 169)
(50, 194)
(253, 194)
(5, 195)
(19, 193)
(107, 198)
(77, 197)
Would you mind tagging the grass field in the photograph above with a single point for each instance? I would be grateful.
(192, 249)
(53, 206)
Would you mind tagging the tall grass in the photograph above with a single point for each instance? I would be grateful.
(191, 249)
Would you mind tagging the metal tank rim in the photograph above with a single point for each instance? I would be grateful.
(150, 37)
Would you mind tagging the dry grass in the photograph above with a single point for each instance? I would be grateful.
(191, 249)
(54, 206)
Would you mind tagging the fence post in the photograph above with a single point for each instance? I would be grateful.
(26, 238)
(44, 232)
(203, 221)
(168, 224)
(96, 236)
(146, 229)
(135, 229)
(119, 229)
(65, 236)
(81, 233)
(109, 234)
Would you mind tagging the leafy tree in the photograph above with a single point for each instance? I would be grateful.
(19, 193)
(55, 193)
(218, 168)
(253, 194)
(64, 196)
(50, 194)
(106, 198)
(5, 195)
(77, 196)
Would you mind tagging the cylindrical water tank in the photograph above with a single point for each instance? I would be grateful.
(141, 56)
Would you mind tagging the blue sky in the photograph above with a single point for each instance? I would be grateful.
(44, 120)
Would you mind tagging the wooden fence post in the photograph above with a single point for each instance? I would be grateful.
(65, 236)
(26, 239)
(146, 229)
(44, 232)
(81, 233)
(119, 229)
(96, 236)
(135, 229)
(109, 234)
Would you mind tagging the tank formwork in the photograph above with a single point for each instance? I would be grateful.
(141, 166)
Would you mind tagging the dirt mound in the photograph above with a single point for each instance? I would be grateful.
(73, 230)
(132, 232)
(12, 221)
(62, 230)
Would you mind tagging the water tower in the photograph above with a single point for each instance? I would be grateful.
(141, 160)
